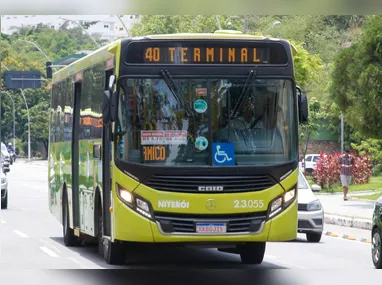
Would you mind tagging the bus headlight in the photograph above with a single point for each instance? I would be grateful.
(281, 203)
(314, 206)
(135, 202)
(126, 195)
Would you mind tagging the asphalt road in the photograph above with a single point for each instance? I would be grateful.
(31, 238)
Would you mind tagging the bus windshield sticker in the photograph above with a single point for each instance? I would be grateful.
(223, 154)
(201, 92)
(201, 143)
(200, 106)
(152, 138)
(177, 137)
(154, 153)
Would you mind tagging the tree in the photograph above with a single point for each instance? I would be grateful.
(160, 24)
(306, 66)
(308, 130)
(357, 81)
(39, 115)
(18, 55)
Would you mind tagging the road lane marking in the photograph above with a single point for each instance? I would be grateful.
(48, 251)
(91, 265)
(20, 234)
(50, 245)
(77, 262)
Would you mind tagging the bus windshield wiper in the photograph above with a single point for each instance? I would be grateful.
(242, 94)
(175, 91)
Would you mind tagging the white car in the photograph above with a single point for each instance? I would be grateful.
(4, 158)
(310, 211)
(310, 162)
(4, 191)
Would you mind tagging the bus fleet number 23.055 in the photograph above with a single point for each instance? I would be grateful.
(249, 203)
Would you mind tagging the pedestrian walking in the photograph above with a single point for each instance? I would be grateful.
(347, 162)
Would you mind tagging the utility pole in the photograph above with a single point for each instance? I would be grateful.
(218, 22)
(342, 132)
(246, 23)
(29, 127)
(14, 120)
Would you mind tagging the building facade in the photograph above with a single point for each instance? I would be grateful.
(109, 27)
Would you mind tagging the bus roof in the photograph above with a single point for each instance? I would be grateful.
(105, 52)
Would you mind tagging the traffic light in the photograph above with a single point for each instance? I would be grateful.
(48, 69)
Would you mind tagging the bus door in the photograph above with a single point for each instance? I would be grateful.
(106, 167)
(75, 156)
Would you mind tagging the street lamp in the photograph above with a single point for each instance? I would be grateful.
(123, 24)
(246, 22)
(218, 22)
(81, 28)
(32, 43)
(29, 122)
(14, 120)
(273, 25)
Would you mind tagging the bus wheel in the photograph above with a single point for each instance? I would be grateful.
(69, 238)
(252, 253)
(114, 253)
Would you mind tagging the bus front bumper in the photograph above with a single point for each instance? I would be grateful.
(131, 226)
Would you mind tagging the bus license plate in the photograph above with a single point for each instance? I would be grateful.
(204, 228)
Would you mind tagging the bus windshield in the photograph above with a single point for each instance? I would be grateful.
(155, 127)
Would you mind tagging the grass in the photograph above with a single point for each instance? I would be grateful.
(374, 184)
(372, 197)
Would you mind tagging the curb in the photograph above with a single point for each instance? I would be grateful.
(332, 234)
(351, 195)
(351, 222)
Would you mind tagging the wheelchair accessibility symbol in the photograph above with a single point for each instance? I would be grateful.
(223, 154)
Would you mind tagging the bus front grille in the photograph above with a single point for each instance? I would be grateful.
(210, 184)
(242, 223)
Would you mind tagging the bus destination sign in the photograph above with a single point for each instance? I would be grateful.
(197, 55)
(206, 53)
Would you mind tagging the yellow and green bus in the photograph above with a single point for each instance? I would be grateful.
(182, 139)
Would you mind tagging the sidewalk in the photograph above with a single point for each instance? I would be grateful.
(352, 213)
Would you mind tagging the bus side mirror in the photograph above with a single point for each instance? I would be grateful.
(113, 106)
(107, 106)
(113, 99)
(302, 106)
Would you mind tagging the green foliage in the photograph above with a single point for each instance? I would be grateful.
(371, 146)
(310, 129)
(159, 24)
(307, 66)
(357, 80)
(377, 170)
(19, 55)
